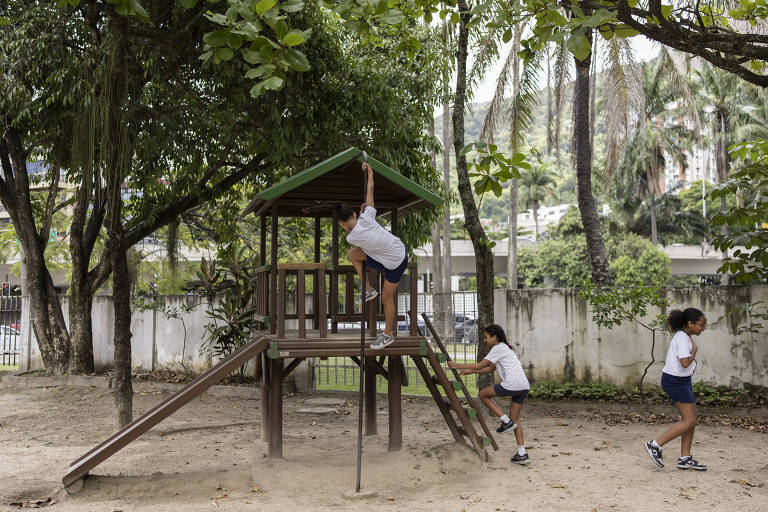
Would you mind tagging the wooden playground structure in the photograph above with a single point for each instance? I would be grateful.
(278, 350)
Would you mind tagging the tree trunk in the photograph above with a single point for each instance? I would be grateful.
(80, 330)
(512, 250)
(513, 188)
(652, 200)
(535, 209)
(447, 321)
(121, 293)
(587, 208)
(45, 308)
(480, 242)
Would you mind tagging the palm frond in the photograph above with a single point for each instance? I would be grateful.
(562, 77)
(525, 101)
(623, 99)
(496, 107)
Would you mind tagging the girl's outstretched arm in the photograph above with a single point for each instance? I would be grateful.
(471, 366)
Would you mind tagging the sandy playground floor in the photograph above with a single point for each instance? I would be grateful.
(208, 457)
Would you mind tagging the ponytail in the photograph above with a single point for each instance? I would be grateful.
(496, 330)
(678, 319)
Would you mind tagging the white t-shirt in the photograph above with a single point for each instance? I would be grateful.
(508, 365)
(375, 241)
(679, 347)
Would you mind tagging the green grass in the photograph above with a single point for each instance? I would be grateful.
(7, 368)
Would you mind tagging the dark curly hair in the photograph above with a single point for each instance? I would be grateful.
(678, 319)
(496, 330)
(343, 213)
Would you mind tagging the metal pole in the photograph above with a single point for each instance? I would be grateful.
(362, 352)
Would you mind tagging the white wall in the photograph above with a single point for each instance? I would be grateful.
(552, 330)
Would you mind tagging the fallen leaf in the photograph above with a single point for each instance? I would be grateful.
(566, 453)
(390, 498)
(745, 482)
(558, 486)
(561, 423)
(463, 497)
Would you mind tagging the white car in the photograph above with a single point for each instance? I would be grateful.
(7, 331)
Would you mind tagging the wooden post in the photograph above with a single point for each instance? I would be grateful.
(372, 306)
(275, 434)
(301, 303)
(322, 316)
(394, 297)
(281, 282)
(263, 240)
(334, 273)
(414, 299)
(273, 272)
(349, 296)
(395, 404)
(316, 280)
(265, 381)
(370, 397)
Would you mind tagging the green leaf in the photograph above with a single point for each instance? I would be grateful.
(188, 4)
(4, 21)
(293, 38)
(205, 56)
(579, 46)
(253, 57)
(297, 60)
(224, 54)
(264, 6)
(138, 9)
(264, 69)
(507, 36)
(292, 6)
(392, 17)
(666, 11)
(273, 83)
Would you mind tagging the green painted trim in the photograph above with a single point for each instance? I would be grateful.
(309, 174)
(472, 413)
(340, 159)
(487, 441)
(442, 357)
(409, 185)
(456, 385)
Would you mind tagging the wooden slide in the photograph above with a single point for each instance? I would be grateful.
(79, 469)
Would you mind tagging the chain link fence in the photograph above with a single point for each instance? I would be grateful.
(459, 334)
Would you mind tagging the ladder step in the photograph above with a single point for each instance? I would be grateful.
(470, 411)
(487, 441)
(442, 357)
(456, 385)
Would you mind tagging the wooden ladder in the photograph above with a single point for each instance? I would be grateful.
(464, 427)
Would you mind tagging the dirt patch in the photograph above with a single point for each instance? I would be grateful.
(208, 456)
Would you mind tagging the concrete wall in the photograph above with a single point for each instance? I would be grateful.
(553, 333)
(551, 330)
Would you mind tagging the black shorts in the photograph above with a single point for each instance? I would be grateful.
(517, 396)
(391, 275)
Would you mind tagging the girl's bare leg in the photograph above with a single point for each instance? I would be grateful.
(514, 413)
(687, 424)
(486, 396)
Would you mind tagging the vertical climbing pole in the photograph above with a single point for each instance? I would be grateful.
(362, 354)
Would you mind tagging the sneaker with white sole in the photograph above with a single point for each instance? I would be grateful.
(506, 427)
(384, 340)
(523, 460)
(690, 463)
(371, 294)
(654, 453)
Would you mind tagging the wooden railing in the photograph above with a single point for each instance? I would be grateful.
(319, 315)
(261, 296)
(344, 310)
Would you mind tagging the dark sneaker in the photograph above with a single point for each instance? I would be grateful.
(690, 463)
(510, 426)
(655, 454)
(384, 340)
(371, 294)
(523, 460)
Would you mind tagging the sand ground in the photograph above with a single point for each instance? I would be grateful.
(208, 457)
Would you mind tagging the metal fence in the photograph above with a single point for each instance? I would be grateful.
(10, 327)
(343, 373)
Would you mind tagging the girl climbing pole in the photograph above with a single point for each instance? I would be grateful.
(380, 250)
(676, 382)
(514, 384)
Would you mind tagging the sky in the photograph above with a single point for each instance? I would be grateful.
(645, 50)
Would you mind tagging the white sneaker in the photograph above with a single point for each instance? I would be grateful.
(384, 340)
(371, 294)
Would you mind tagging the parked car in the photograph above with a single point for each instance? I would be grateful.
(465, 330)
(403, 325)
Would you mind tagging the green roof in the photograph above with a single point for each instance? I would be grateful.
(339, 180)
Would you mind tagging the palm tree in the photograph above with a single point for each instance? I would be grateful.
(537, 185)
(657, 138)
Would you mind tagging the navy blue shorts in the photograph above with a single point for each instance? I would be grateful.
(679, 389)
(394, 275)
(517, 396)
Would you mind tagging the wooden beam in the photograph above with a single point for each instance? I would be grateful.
(281, 282)
(379, 367)
(273, 272)
(292, 366)
(266, 368)
(322, 308)
(370, 397)
(263, 240)
(414, 297)
(395, 403)
(343, 352)
(334, 274)
(300, 266)
(315, 280)
(264, 208)
(301, 303)
(275, 434)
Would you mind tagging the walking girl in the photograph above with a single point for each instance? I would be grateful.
(514, 384)
(676, 382)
